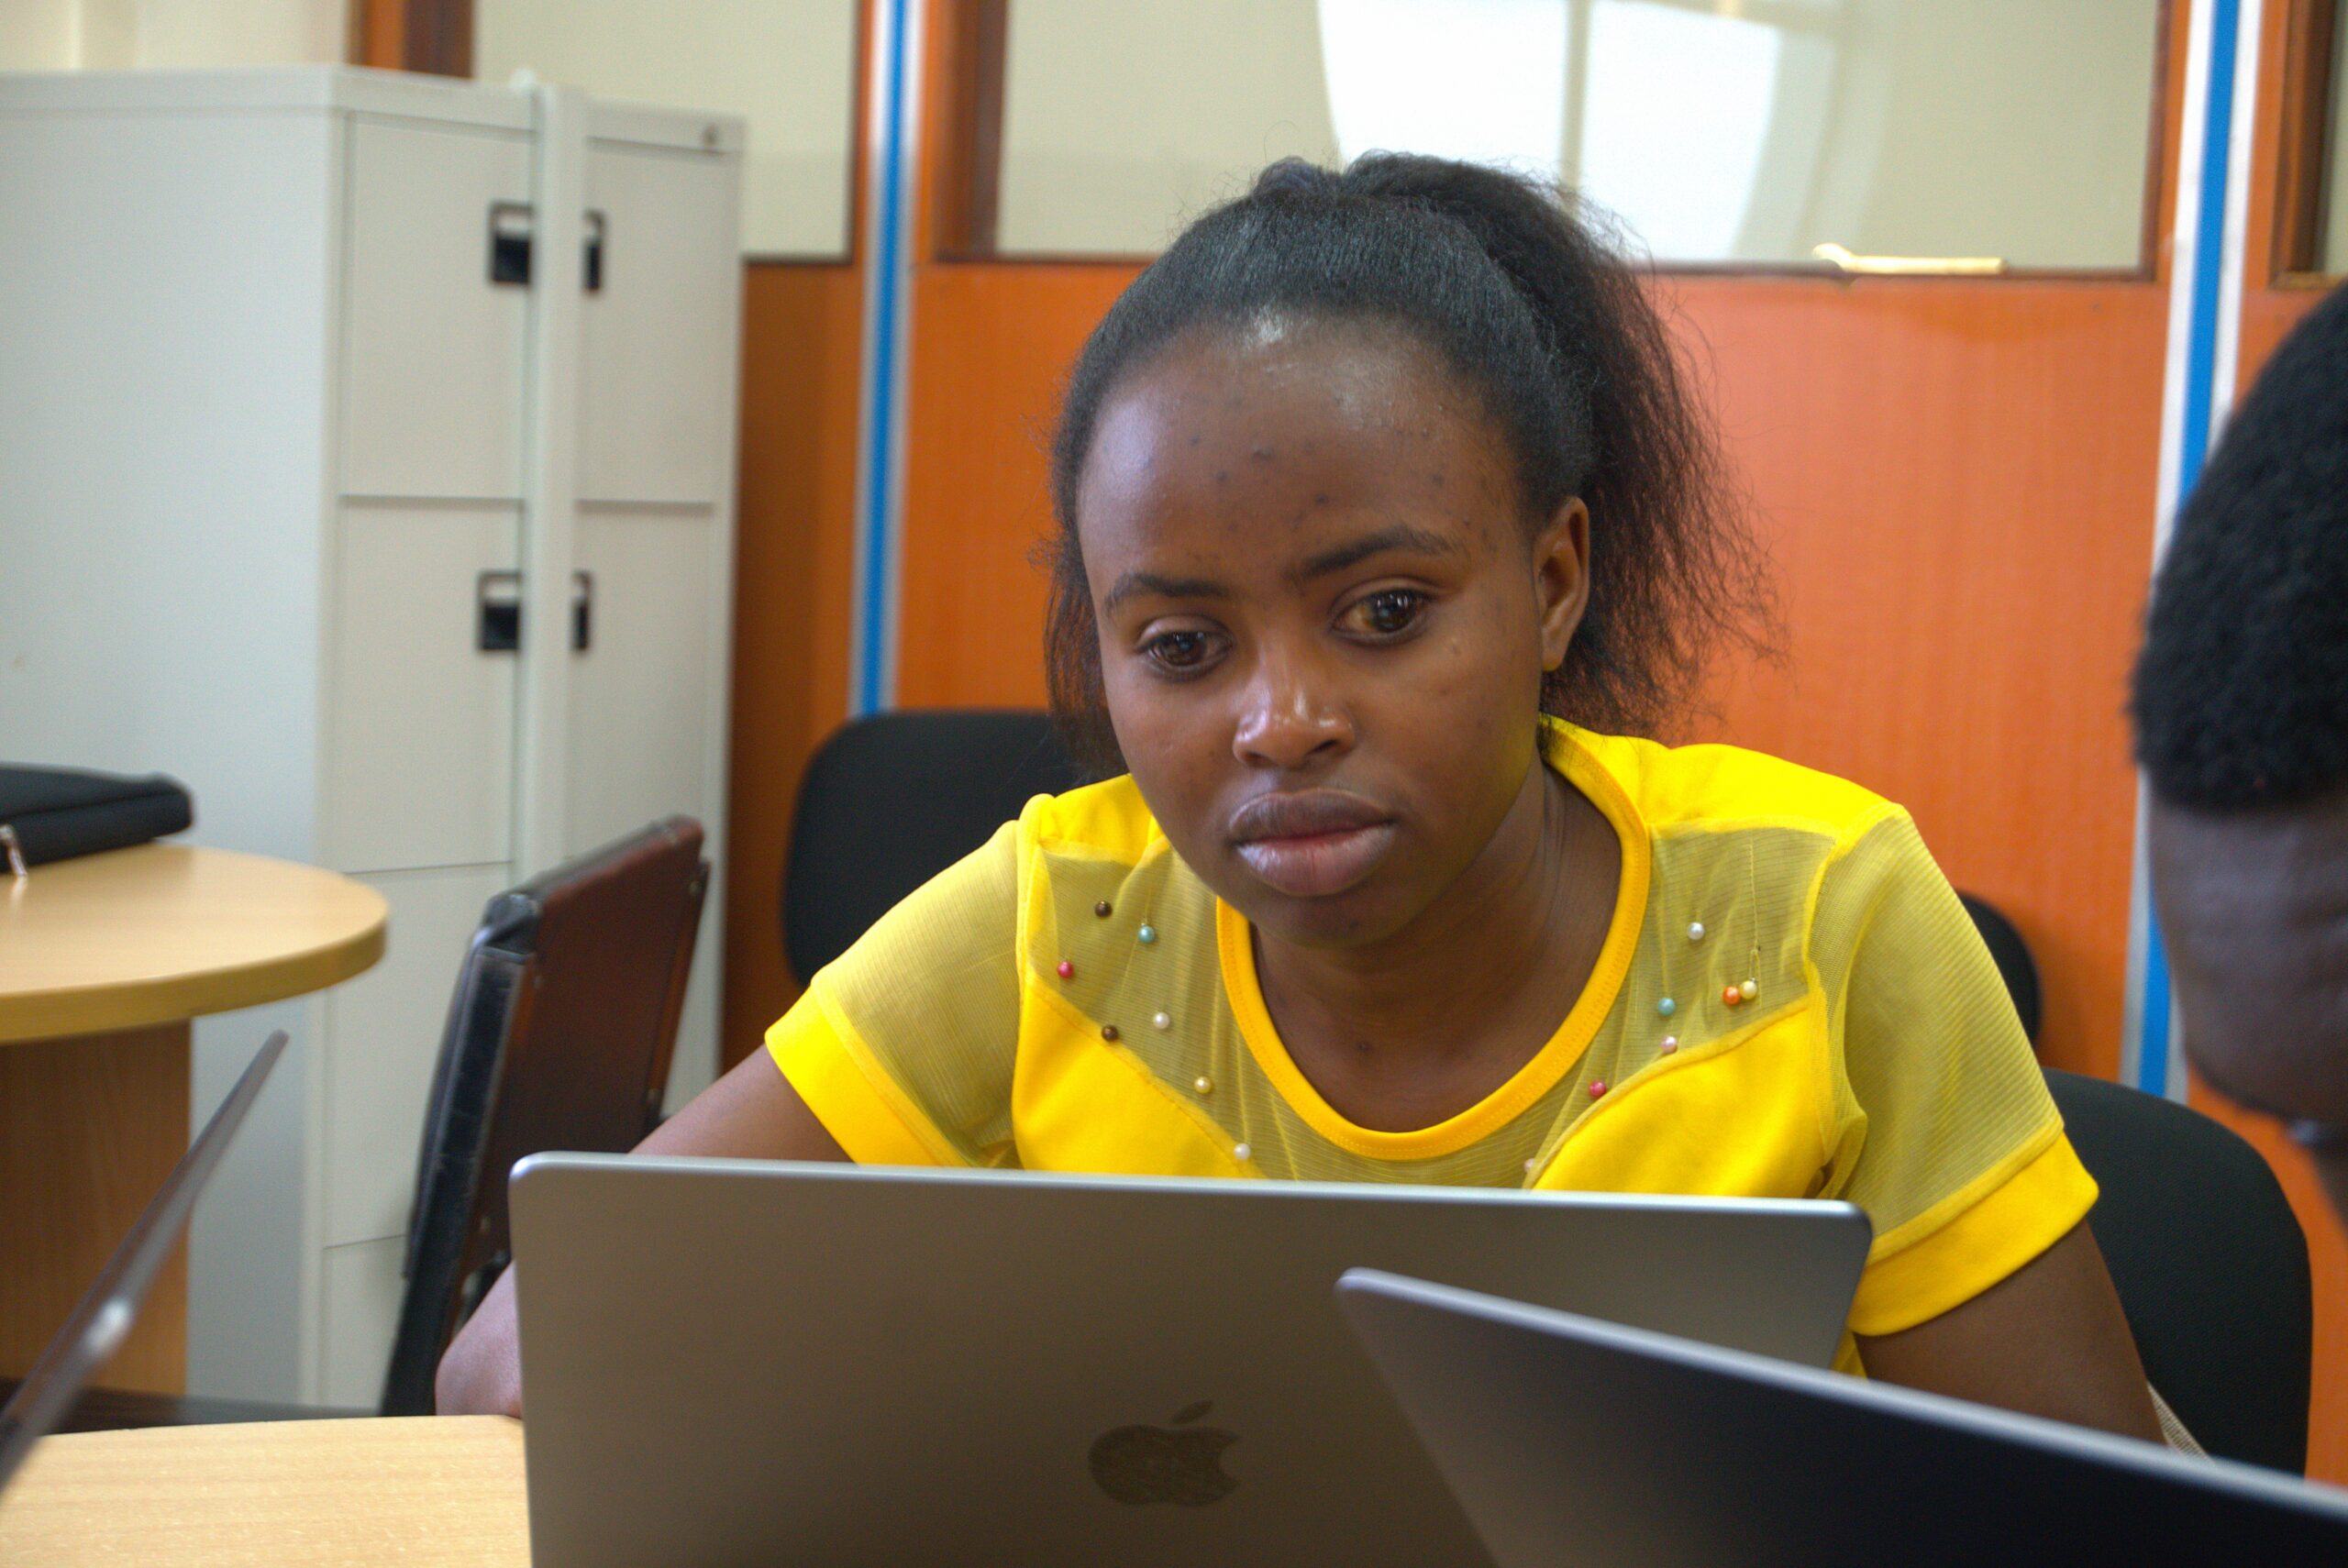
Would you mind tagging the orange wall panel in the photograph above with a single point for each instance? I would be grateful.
(794, 557)
(1956, 483)
(992, 343)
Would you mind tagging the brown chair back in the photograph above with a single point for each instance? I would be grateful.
(560, 1036)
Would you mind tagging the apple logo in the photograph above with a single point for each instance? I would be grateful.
(1180, 1463)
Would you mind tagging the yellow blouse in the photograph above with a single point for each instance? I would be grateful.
(1878, 1059)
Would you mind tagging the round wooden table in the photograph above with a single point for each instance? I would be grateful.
(103, 961)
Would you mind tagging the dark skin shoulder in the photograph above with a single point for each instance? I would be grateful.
(1324, 621)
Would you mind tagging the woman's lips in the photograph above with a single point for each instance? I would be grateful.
(1313, 865)
(1312, 843)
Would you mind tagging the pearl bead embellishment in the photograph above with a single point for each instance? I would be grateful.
(1596, 1087)
(1203, 1084)
(1109, 1031)
(1101, 909)
(1670, 1044)
(1750, 990)
(1241, 1151)
(1733, 997)
(1696, 931)
(1148, 934)
(1666, 1006)
(1068, 970)
(1161, 1020)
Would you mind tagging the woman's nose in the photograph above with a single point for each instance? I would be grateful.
(1290, 721)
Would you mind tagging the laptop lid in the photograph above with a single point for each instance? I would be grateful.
(733, 1362)
(106, 1310)
(1566, 1438)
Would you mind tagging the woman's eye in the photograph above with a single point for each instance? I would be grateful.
(1178, 650)
(1386, 613)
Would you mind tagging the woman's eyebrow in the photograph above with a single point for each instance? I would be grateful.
(1400, 536)
(1134, 582)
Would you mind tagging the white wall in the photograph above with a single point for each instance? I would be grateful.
(788, 67)
(94, 34)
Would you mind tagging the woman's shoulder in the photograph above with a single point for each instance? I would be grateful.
(1713, 787)
(1106, 821)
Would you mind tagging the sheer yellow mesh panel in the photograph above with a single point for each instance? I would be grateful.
(1937, 1087)
(1749, 888)
(932, 991)
(1923, 1086)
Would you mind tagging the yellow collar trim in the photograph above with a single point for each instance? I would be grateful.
(1563, 750)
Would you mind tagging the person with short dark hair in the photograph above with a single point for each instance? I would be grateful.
(2240, 704)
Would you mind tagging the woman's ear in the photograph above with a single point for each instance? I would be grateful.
(1561, 578)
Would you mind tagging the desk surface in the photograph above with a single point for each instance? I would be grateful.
(167, 931)
(430, 1492)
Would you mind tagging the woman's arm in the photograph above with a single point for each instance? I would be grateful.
(2049, 1340)
(750, 1113)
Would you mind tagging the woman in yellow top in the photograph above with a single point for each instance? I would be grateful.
(1380, 496)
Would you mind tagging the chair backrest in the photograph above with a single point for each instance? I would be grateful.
(559, 1037)
(891, 800)
(2210, 1265)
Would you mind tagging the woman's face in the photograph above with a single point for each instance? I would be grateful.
(1323, 626)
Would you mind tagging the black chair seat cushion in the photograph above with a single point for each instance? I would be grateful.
(892, 799)
(2210, 1265)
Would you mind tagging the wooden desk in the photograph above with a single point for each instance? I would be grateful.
(429, 1492)
(103, 961)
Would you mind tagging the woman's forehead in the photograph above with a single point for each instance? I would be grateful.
(1253, 437)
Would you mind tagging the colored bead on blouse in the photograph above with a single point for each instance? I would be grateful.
(1068, 970)
(1148, 934)
(1596, 1087)
(1101, 909)
(1161, 1020)
(1750, 990)
(1666, 1007)
(1108, 1031)
(1696, 931)
(1670, 1044)
(1733, 997)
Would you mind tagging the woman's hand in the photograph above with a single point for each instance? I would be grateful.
(751, 1113)
(2049, 1340)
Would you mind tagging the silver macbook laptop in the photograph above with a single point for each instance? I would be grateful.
(94, 1329)
(730, 1361)
(1571, 1440)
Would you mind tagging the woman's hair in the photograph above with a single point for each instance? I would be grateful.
(1528, 303)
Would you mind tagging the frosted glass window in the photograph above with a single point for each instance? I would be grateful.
(1718, 131)
(788, 67)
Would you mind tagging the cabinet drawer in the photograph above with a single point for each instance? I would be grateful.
(658, 339)
(644, 694)
(419, 718)
(432, 348)
(383, 1038)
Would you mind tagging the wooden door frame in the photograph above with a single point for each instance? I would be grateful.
(435, 37)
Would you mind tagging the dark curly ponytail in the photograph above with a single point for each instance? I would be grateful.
(1527, 303)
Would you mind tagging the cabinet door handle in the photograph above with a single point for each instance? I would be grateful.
(498, 612)
(498, 619)
(509, 243)
(592, 262)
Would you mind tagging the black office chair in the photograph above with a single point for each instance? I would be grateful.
(559, 1037)
(2011, 954)
(2210, 1265)
(891, 800)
